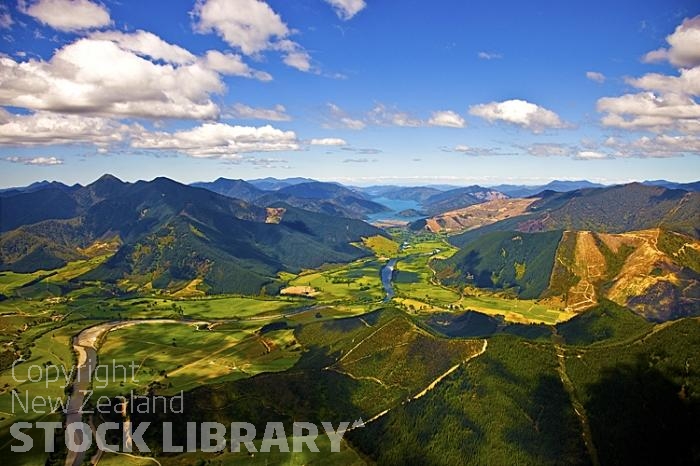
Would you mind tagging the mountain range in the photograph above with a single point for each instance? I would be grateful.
(232, 236)
(316, 196)
(637, 245)
(167, 234)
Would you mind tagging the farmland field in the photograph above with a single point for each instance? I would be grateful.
(425, 224)
(358, 281)
(180, 356)
(516, 310)
(381, 354)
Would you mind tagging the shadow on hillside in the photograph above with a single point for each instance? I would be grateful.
(303, 392)
(639, 416)
(548, 430)
(468, 269)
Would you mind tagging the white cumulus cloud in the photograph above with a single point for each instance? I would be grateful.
(251, 26)
(67, 15)
(346, 9)
(299, 59)
(46, 161)
(114, 76)
(147, 44)
(666, 103)
(447, 118)
(45, 128)
(684, 46)
(659, 146)
(218, 140)
(652, 112)
(595, 76)
(686, 83)
(232, 65)
(519, 112)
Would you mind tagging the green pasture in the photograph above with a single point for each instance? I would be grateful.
(358, 281)
(180, 357)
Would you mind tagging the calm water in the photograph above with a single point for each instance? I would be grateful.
(396, 206)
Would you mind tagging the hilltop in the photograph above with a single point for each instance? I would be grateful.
(315, 196)
(613, 209)
(654, 272)
(167, 234)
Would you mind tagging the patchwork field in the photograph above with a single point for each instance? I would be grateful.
(357, 281)
(353, 355)
(381, 246)
(418, 290)
(175, 357)
(414, 278)
(524, 311)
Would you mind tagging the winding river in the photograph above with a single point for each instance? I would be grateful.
(86, 342)
(386, 273)
(85, 345)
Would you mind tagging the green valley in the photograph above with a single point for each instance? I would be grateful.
(349, 232)
(499, 349)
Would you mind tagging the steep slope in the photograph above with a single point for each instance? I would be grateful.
(475, 216)
(618, 208)
(655, 272)
(547, 404)
(614, 209)
(172, 234)
(504, 260)
(459, 198)
(237, 189)
(327, 198)
(35, 206)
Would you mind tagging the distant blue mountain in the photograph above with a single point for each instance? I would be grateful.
(694, 186)
(36, 186)
(556, 185)
(273, 184)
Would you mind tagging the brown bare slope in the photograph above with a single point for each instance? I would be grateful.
(479, 215)
(631, 269)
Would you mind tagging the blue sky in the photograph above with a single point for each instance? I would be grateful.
(358, 91)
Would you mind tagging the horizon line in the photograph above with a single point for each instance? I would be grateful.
(364, 182)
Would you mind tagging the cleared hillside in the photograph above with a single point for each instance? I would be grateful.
(478, 215)
(656, 273)
(614, 209)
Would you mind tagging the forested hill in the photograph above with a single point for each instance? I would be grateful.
(165, 232)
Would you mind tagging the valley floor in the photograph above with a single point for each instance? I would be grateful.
(462, 373)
